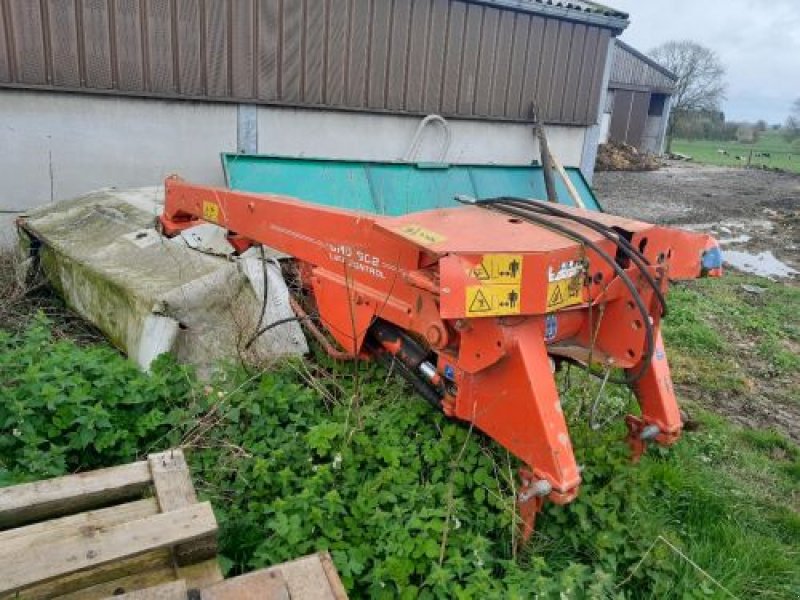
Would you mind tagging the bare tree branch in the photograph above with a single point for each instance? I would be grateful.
(700, 74)
(700, 85)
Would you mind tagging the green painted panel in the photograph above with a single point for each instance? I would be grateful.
(391, 188)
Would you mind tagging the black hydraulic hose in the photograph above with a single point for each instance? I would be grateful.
(637, 298)
(557, 212)
(271, 326)
(649, 334)
(263, 311)
(607, 232)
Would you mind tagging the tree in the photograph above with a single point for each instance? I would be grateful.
(791, 129)
(700, 85)
(761, 125)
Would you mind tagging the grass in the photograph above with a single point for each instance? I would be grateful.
(311, 457)
(729, 339)
(782, 154)
(737, 530)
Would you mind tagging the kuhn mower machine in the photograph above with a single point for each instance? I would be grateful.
(479, 304)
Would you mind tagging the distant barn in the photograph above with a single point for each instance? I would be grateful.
(638, 101)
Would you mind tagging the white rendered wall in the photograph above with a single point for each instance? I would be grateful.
(60, 145)
(57, 145)
(366, 136)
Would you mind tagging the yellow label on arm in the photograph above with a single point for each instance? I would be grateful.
(499, 268)
(210, 211)
(419, 234)
(492, 300)
(564, 293)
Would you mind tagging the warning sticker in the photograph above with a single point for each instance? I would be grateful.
(565, 285)
(564, 292)
(499, 268)
(210, 211)
(491, 300)
(421, 235)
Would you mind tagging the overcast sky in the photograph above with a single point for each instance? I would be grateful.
(758, 42)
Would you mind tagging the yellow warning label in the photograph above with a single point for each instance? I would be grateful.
(210, 211)
(492, 300)
(564, 292)
(499, 268)
(421, 235)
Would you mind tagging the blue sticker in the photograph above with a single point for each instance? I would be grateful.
(550, 327)
(449, 372)
(660, 354)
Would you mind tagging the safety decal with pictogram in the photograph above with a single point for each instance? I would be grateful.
(499, 290)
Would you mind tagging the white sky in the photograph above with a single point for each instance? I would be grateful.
(758, 42)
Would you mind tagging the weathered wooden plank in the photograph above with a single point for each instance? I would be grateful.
(265, 584)
(201, 574)
(136, 581)
(93, 547)
(171, 479)
(311, 577)
(144, 570)
(337, 587)
(47, 531)
(21, 504)
(174, 490)
(174, 590)
(308, 579)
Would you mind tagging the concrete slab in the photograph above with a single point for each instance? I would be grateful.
(150, 294)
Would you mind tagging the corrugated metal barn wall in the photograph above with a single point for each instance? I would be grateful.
(456, 58)
(630, 71)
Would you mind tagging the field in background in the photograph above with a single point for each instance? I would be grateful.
(781, 154)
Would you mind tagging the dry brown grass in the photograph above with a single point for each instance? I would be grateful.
(23, 296)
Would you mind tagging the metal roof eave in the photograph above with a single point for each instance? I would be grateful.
(614, 20)
(631, 87)
(647, 60)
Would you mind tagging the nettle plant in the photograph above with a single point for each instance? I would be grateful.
(313, 456)
(66, 408)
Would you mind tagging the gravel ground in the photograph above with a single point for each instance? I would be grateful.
(750, 211)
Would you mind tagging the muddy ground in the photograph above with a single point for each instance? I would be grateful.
(750, 211)
(753, 213)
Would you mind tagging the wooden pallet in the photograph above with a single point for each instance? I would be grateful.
(309, 578)
(107, 532)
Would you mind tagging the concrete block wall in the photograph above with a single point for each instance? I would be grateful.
(60, 145)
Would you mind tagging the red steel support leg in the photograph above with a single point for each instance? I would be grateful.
(515, 401)
(661, 418)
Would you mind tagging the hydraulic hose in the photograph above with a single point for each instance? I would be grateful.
(502, 206)
(633, 254)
